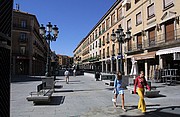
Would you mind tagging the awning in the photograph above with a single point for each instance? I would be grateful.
(143, 56)
(168, 51)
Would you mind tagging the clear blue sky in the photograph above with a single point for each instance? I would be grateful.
(74, 18)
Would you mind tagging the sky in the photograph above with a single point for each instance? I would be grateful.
(74, 18)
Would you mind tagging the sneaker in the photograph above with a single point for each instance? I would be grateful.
(124, 109)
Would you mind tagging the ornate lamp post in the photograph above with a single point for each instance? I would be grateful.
(119, 36)
(52, 34)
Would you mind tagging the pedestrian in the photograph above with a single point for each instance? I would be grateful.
(66, 74)
(74, 72)
(140, 82)
(118, 90)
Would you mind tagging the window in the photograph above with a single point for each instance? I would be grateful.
(103, 40)
(113, 18)
(107, 51)
(96, 44)
(129, 24)
(139, 41)
(103, 53)
(150, 11)
(152, 37)
(107, 39)
(23, 24)
(22, 36)
(103, 27)
(169, 31)
(100, 53)
(99, 30)
(100, 42)
(168, 4)
(93, 45)
(129, 45)
(22, 50)
(136, 1)
(138, 18)
(107, 23)
(113, 47)
(119, 14)
(95, 33)
(128, 6)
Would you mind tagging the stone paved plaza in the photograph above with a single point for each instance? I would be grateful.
(85, 97)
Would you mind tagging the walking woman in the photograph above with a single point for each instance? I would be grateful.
(118, 89)
(140, 82)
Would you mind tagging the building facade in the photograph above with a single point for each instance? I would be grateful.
(154, 42)
(64, 61)
(29, 49)
(6, 7)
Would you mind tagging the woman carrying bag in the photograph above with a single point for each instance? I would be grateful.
(140, 82)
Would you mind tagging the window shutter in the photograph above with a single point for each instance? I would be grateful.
(169, 31)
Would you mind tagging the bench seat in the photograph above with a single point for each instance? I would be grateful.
(41, 96)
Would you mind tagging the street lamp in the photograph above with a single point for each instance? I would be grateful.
(52, 34)
(120, 37)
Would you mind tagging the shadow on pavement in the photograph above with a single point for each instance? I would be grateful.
(171, 111)
(25, 78)
(55, 100)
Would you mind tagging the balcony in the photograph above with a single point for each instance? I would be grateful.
(158, 41)
(93, 59)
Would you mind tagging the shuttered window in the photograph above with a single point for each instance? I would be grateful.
(129, 45)
(169, 31)
(139, 41)
(152, 37)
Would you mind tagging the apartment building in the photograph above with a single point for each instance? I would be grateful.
(154, 42)
(64, 61)
(6, 7)
(29, 49)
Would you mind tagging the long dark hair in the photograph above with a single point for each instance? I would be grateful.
(119, 75)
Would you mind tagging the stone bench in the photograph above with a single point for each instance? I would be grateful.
(107, 77)
(152, 93)
(42, 95)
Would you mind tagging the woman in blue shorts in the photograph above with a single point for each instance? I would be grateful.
(118, 90)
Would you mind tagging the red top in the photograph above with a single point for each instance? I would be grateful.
(140, 83)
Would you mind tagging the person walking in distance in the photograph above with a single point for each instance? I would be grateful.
(140, 82)
(74, 72)
(66, 74)
(118, 90)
